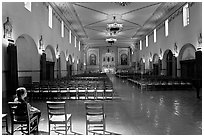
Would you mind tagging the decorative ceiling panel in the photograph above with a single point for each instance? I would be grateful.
(90, 19)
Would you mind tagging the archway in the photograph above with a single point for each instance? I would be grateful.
(50, 63)
(169, 62)
(155, 64)
(167, 67)
(69, 66)
(63, 64)
(27, 59)
(187, 62)
(142, 66)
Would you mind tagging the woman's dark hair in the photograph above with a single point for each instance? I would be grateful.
(20, 91)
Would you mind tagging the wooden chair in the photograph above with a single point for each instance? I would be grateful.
(58, 119)
(20, 115)
(5, 124)
(95, 117)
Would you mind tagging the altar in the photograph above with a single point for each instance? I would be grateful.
(108, 70)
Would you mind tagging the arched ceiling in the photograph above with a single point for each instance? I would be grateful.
(89, 19)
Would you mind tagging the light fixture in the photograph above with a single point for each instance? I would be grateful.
(57, 52)
(160, 54)
(122, 3)
(115, 27)
(41, 45)
(150, 56)
(175, 50)
(111, 40)
(7, 29)
(199, 42)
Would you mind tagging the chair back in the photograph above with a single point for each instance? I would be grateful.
(19, 111)
(56, 108)
(94, 108)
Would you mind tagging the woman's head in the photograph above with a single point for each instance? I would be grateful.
(21, 93)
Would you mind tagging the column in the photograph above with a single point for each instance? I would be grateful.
(12, 75)
(43, 67)
(174, 66)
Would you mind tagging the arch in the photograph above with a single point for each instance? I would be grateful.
(155, 59)
(63, 64)
(69, 66)
(186, 61)
(183, 51)
(70, 60)
(156, 64)
(50, 53)
(142, 66)
(27, 57)
(167, 63)
(51, 64)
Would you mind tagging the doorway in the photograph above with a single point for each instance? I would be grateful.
(50, 70)
(169, 60)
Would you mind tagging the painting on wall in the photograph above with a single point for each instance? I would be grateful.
(92, 59)
(123, 56)
(93, 56)
(124, 59)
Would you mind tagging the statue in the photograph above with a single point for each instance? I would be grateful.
(7, 29)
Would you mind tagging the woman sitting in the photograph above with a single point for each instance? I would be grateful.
(21, 94)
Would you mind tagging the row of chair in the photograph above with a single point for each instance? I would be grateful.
(72, 90)
(67, 93)
(149, 84)
(58, 120)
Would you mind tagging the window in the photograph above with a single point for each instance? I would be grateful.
(50, 16)
(140, 44)
(75, 41)
(62, 29)
(79, 46)
(166, 27)
(70, 36)
(155, 35)
(27, 5)
(186, 17)
(147, 41)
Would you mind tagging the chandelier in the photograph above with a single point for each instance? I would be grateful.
(115, 27)
(111, 40)
(122, 3)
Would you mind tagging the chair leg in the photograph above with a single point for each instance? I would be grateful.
(49, 128)
(71, 124)
(66, 129)
(12, 128)
(7, 125)
(86, 129)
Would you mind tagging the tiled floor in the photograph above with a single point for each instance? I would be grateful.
(140, 112)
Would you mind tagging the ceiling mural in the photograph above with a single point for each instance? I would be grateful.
(126, 22)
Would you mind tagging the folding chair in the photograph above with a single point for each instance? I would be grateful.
(58, 119)
(95, 117)
(20, 115)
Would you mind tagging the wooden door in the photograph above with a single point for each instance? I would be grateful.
(50, 70)
(188, 69)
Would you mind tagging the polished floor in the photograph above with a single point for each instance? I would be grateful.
(138, 112)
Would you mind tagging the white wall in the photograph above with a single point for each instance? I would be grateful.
(33, 24)
(177, 34)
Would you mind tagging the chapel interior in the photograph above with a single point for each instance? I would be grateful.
(102, 68)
